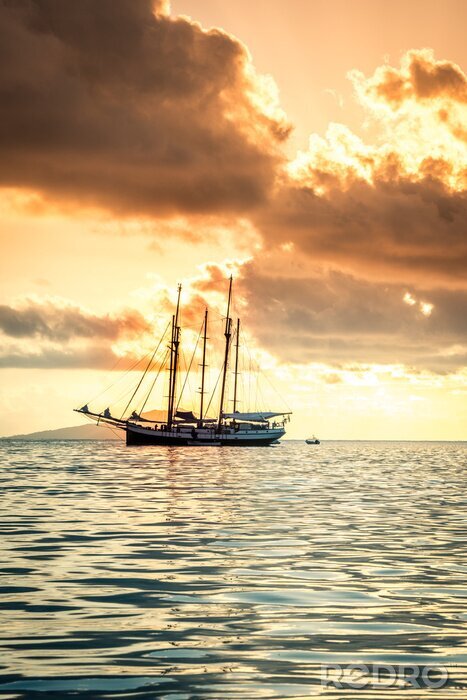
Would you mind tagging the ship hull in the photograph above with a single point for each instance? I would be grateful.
(262, 438)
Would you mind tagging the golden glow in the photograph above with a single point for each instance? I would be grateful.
(408, 298)
(404, 120)
(426, 308)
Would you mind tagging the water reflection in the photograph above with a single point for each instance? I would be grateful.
(166, 572)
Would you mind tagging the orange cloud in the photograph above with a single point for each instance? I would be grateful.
(91, 357)
(302, 312)
(393, 228)
(427, 94)
(117, 105)
(394, 209)
(420, 77)
(60, 320)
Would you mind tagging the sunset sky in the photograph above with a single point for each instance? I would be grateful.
(315, 149)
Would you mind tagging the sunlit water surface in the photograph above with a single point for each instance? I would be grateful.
(229, 573)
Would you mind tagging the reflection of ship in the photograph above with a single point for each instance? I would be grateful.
(312, 441)
(177, 427)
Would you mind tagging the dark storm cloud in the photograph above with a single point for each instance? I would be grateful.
(62, 323)
(336, 318)
(303, 313)
(395, 227)
(109, 104)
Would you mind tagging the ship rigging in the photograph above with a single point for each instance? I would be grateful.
(184, 428)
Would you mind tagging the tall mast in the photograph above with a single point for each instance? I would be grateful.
(169, 398)
(227, 333)
(237, 344)
(203, 366)
(174, 361)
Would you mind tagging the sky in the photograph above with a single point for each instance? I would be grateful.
(315, 150)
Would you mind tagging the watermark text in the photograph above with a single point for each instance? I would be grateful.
(384, 676)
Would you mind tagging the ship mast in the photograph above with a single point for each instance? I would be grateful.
(227, 333)
(174, 345)
(171, 362)
(237, 344)
(203, 367)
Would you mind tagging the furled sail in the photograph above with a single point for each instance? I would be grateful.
(253, 417)
(186, 416)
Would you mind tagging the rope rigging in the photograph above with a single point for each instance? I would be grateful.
(112, 384)
(145, 372)
(243, 424)
(162, 364)
(189, 367)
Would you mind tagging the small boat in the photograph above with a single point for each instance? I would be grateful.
(313, 441)
(184, 428)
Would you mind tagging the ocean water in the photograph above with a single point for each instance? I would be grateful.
(231, 573)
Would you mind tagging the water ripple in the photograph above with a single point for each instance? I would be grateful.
(207, 573)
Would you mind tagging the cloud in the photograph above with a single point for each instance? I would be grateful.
(297, 312)
(59, 320)
(119, 105)
(115, 104)
(420, 77)
(51, 333)
(392, 228)
(423, 93)
(392, 209)
(90, 357)
(302, 314)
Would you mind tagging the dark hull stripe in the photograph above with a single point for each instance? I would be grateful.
(133, 438)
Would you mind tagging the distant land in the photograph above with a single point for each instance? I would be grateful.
(76, 432)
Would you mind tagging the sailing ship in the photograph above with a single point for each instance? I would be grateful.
(184, 428)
